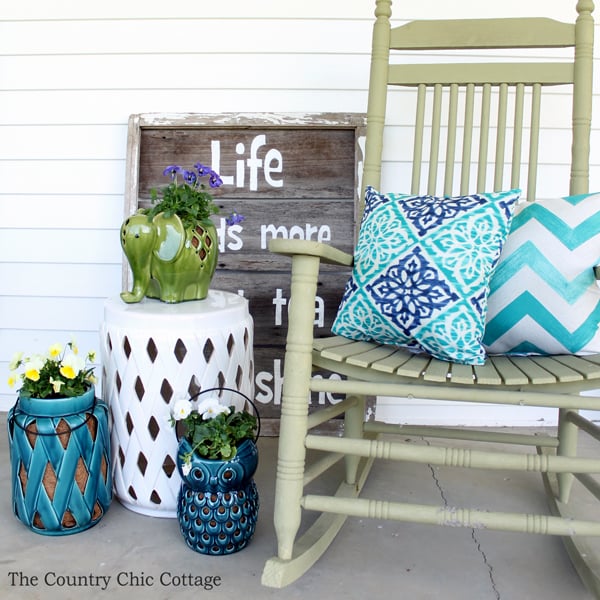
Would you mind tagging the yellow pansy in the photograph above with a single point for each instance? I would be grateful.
(33, 367)
(71, 366)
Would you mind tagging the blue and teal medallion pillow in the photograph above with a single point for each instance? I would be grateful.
(544, 298)
(421, 272)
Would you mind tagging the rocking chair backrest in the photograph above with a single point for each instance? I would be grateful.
(477, 125)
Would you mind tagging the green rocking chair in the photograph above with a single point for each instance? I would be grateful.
(413, 321)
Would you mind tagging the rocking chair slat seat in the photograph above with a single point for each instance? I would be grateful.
(498, 370)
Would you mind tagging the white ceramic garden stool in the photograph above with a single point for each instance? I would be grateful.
(154, 354)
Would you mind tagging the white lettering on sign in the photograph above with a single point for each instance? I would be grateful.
(271, 164)
(279, 301)
(267, 393)
(229, 238)
(269, 387)
(321, 232)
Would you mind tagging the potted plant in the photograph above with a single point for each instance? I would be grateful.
(61, 484)
(217, 458)
(172, 247)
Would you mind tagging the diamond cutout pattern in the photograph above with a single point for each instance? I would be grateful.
(129, 423)
(153, 428)
(168, 466)
(180, 351)
(49, 481)
(64, 433)
(81, 475)
(166, 391)
(152, 350)
(139, 388)
(142, 463)
(193, 387)
(208, 350)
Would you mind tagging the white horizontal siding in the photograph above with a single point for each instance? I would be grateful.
(185, 71)
(204, 10)
(51, 246)
(63, 142)
(73, 72)
(274, 9)
(85, 280)
(76, 210)
(68, 107)
(174, 36)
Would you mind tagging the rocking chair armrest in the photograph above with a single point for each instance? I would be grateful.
(328, 254)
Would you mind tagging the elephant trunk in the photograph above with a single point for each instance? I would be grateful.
(138, 236)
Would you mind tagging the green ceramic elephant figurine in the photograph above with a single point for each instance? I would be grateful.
(167, 260)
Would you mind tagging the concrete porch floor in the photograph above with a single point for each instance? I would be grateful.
(146, 557)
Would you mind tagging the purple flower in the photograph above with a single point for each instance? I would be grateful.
(214, 180)
(172, 171)
(190, 177)
(203, 170)
(186, 196)
(234, 218)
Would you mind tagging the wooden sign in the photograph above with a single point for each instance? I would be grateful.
(291, 176)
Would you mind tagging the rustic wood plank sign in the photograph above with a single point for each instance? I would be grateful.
(290, 175)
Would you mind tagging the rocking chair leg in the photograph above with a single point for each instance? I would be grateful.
(289, 487)
(294, 407)
(353, 428)
(567, 446)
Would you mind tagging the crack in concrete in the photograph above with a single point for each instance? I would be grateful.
(488, 565)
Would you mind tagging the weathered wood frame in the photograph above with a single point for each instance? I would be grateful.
(258, 266)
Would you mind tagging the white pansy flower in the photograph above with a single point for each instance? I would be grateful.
(182, 409)
(15, 361)
(186, 468)
(210, 408)
(56, 384)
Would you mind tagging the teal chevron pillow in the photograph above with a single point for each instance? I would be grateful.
(543, 296)
(421, 272)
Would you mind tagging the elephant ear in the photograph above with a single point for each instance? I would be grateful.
(170, 237)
